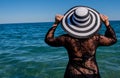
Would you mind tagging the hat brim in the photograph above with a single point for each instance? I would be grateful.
(84, 30)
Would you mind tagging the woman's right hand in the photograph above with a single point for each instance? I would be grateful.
(58, 18)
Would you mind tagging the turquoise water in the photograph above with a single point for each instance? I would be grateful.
(24, 54)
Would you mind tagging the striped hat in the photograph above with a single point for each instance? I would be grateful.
(81, 22)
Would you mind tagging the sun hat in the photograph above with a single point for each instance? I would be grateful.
(81, 22)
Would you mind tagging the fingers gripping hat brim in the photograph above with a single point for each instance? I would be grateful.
(83, 30)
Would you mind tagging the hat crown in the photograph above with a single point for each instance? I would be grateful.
(81, 12)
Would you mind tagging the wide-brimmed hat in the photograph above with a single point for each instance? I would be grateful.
(81, 22)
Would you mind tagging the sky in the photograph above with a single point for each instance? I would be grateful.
(25, 11)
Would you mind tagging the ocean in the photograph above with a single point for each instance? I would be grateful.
(24, 54)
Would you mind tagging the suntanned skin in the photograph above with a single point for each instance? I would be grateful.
(81, 52)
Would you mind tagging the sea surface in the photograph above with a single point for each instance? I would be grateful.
(24, 54)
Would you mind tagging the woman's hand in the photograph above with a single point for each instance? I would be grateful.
(58, 19)
(104, 19)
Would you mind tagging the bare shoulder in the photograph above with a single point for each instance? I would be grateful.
(66, 36)
(96, 36)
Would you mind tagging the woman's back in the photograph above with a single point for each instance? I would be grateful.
(81, 54)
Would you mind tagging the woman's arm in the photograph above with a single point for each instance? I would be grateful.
(50, 39)
(110, 37)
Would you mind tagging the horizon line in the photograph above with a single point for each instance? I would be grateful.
(36, 22)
